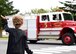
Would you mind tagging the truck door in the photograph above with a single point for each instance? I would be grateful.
(31, 32)
(56, 24)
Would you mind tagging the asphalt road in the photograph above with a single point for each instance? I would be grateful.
(44, 47)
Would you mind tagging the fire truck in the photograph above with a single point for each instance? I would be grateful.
(53, 25)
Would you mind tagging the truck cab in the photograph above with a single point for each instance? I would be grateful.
(59, 26)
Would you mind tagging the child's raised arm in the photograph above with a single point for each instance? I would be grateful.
(4, 22)
(3, 17)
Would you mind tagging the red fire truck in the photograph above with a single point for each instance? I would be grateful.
(54, 25)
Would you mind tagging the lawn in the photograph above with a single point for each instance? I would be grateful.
(3, 38)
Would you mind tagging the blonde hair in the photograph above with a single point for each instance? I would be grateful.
(17, 19)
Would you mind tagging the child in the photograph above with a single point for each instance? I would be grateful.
(17, 40)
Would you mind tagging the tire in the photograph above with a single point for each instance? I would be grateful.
(33, 41)
(75, 40)
(68, 39)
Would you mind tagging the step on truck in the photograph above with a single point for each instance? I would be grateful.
(53, 25)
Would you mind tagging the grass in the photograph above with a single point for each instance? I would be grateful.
(3, 38)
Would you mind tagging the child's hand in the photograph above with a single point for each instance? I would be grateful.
(30, 52)
(3, 17)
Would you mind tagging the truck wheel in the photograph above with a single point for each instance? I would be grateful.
(68, 39)
(75, 40)
(33, 41)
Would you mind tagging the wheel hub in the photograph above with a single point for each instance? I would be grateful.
(67, 39)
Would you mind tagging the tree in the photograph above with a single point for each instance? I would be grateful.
(38, 11)
(69, 6)
(6, 9)
(56, 9)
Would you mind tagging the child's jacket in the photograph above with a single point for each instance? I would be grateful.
(17, 40)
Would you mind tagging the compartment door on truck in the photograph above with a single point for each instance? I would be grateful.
(31, 29)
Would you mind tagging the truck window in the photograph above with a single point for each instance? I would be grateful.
(45, 18)
(60, 17)
(54, 17)
(57, 17)
(67, 16)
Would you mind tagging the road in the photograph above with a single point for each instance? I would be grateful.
(44, 47)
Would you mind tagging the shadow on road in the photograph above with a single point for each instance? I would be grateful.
(50, 44)
(47, 43)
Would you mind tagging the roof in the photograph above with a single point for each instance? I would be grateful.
(54, 13)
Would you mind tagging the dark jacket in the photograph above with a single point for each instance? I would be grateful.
(17, 40)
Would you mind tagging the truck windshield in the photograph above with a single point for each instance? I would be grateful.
(67, 16)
